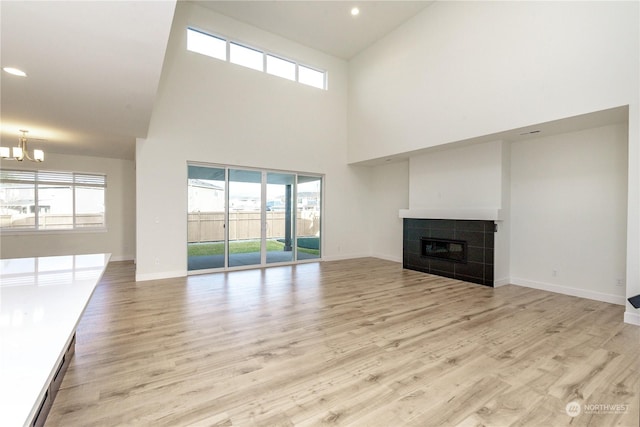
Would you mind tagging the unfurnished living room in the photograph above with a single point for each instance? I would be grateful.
(369, 213)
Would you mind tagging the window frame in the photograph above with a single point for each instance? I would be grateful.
(279, 58)
(241, 47)
(307, 67)
(263, 205)
(213, 36)
(74, 180)
(265, 53)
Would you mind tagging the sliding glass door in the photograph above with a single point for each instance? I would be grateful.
(308, 217)
(279, 210)
(206, 217)
(246, 217)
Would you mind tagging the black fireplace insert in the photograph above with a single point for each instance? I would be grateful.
(451, 250)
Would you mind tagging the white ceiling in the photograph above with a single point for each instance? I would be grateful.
(327, 26)
(94, 66)
(92, 73)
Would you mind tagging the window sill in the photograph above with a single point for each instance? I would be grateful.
(48, 232)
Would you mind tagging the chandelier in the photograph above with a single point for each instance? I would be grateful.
(21, 152)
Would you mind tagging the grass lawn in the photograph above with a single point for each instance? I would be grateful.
(241, 247)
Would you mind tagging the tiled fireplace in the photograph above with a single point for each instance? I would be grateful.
(459, 249)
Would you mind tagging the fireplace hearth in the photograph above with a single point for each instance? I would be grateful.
(459, 249)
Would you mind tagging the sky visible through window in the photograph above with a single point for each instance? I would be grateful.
(217, 47)
(206, 45)
(246, 57)
(281, 67)
(311, 77)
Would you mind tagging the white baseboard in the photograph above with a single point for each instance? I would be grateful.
(632, 318)
(388, 258)
(122, 258)
(501, 282)
(159, 276)
(566, 290)
(345, 256)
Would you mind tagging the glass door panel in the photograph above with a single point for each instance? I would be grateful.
(279, 211)
(245, 217)
(309, 192)
(205, 218)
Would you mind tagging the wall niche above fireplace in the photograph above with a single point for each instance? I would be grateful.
(458, 249)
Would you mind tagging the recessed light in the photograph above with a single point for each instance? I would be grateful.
(355, 11)
(15, 71)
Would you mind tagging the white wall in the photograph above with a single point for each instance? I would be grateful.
(632, 315)
(569, 212)
(213, 111)
(460, 70)
(119, 239)
(464, 177)
(563, 201)
(502, 253)
(389, 193)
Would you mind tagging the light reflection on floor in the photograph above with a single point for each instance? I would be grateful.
(257, 291)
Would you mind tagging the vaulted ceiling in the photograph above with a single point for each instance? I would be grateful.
(327, 26)
(93, 67)
(92, 73)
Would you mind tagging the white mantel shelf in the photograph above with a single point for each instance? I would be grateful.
(42, 300)
(483, 214)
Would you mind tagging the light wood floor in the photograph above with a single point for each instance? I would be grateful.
(359, 342)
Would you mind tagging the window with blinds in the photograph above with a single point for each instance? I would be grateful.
(51, 200)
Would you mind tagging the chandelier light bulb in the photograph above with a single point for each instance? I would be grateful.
(18, 153)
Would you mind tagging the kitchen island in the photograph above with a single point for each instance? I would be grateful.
(41, 302)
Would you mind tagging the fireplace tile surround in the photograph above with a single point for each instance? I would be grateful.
(479, 235)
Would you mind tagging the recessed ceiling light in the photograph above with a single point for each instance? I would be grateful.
(355, 11)
(15, 71)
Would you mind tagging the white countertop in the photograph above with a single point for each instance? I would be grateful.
(41, 302)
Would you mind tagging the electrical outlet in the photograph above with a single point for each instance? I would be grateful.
(619, 282)
(157, 261)
(554, 273)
